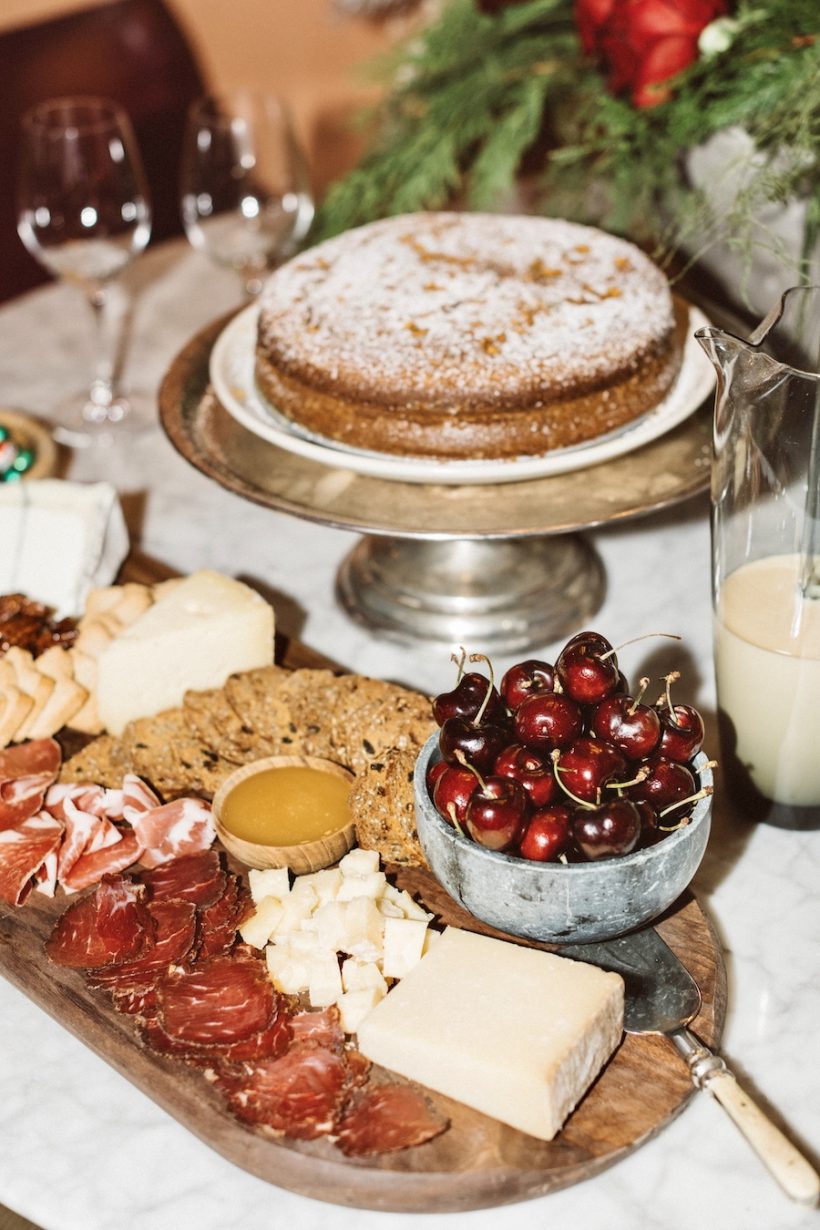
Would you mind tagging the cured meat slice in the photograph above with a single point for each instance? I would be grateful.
(300, 1094)
(182, 826)
(221, 921)
(65, 797)
(110, 924)
(386, 1118)
(224, 999)
(268, 1043)
(135, 1001)
(322, 1028)
(137, 798)
(23, 850)
(45, 879)
(27, 759)
(173, 937)
(22, 797)
(197, 877)
(106, 861)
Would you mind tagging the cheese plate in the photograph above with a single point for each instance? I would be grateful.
(478, 1162)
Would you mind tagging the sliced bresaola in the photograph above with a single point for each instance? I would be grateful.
(267, 1043)
(223, 999)
(220, 921)
(385, 1118)
(110, 924)
(182, 826)
(24, 849)
(319, 1028)
(300, 1094)
(197, 877)
(174, 931)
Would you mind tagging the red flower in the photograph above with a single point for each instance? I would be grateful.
(644, 42)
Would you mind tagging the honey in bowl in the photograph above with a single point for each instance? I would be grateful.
(286, 806)
(286, 811)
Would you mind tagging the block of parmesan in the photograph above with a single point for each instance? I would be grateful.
(196, 634)
(510, 1031)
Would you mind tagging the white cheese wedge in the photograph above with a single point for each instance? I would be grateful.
(193, 636)
(510, 1031)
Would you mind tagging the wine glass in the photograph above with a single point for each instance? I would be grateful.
(245, 196)
(84, 213)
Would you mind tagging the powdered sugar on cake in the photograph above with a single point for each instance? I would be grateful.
(491, 306)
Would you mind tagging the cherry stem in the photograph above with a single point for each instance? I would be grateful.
(667, 696)
(482, 657)
(459, 661)
(464, 762)
(451, 812)
(673, 636)
(693, 798)
(641, 774)
(643, 685)
(556, 769)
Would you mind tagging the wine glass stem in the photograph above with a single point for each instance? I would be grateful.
(103, 392)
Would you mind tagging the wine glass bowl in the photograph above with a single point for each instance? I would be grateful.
(84, 213)
(245, 196)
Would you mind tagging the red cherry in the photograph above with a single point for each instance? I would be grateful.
(526, 679)
(587, 669)
(477, 744)
(434, 772)
(547, 833)
(609, 831)
(496, 813)
(633, 728)
(666, 783)
(585, 767)
(529, 770)
(466, 698)
(547, 721)
(682, 733)
(453, 791)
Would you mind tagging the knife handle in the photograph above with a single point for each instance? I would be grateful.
(790, 1168)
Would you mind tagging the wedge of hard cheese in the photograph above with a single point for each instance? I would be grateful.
(516, 1033)
(198, 631)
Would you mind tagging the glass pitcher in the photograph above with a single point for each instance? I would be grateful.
(766, 560)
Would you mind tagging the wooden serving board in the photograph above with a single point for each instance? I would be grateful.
(478, 1162)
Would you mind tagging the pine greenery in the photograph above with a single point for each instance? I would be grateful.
(476, 101)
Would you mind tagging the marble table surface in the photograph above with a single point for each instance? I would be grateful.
(84, 1150)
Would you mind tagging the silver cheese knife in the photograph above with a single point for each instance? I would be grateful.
(661, 997)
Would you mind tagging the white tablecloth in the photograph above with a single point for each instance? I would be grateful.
(84, 1150)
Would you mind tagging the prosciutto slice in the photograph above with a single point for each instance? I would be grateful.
(195, 877)
(300, 1094)
(21, 798)
(386, 1118)
(28, 759)
(110, 924)
(23, 851)
(224, 999)
(183, 826)
(106, 861)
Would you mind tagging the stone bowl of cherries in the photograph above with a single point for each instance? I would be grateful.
(560, 806)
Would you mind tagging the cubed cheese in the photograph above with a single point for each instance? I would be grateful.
(295, 910)
(403, 945)
(194, 636)
(354, 1006)
(370, 885)
(324, 981)
(357, 975)
(271, 882)
(289, 973)
(363, 929)
(330, 924)
(546, 1026)
(359, 862)
(324, 883)
(261, 925)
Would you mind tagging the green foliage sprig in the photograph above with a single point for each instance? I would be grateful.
(477, 101)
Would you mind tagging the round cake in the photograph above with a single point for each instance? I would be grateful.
(458, 335)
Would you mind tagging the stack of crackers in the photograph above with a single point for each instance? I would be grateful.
(40, 695)
(373, 728)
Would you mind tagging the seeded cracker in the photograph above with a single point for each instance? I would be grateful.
(100, 762)
(163, 750)
(384, 810)
(218, 726)
(255, 698)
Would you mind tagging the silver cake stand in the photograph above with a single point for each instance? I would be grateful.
(500, 566)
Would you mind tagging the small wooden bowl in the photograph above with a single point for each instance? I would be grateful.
(303, 858)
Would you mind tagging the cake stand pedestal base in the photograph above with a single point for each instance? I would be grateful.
(499, 595)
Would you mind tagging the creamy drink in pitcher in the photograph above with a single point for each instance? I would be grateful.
(767, 656)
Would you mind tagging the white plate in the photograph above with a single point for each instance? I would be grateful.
(232, 376)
